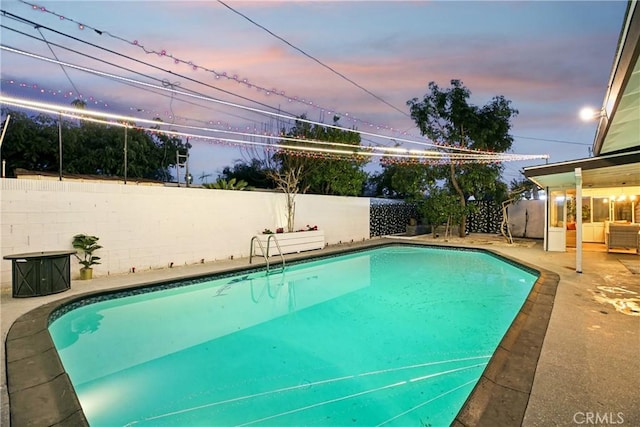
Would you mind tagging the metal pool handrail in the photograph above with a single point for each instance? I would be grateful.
(277, 246)
(265, 254)
(251, 250)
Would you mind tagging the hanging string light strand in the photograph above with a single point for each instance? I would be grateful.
(230, 76)
(363, 151)
(231, 104)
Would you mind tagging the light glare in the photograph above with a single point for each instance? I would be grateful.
(588, 113)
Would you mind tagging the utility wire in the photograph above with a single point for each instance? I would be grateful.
(55, 56)
(152, 51)
(134, 72)
(230, 104)
(36, 25)
(553, 140)
(314, 59)
(108, 118)
(171, 96)
(101, 32)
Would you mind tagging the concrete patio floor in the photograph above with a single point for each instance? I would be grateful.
(589, 368)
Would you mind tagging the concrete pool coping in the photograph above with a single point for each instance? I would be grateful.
(41, 393)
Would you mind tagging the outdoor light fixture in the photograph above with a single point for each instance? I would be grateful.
(588, 114)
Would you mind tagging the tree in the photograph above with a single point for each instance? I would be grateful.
(519, 189)
(253, 172)
(89, 148)
(287, 180)
(294, 171)
(408, 182)
(30, 143)
(438, 207)
(445, 116)
(526, 187)
(164, 152)
(341, 177)
(232, 184)
(79, 104)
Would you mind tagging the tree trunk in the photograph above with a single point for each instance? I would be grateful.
(291, 211)
(288, 181)
(504, 225)
(463, 202)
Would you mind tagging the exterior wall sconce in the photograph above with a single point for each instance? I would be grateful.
(588, 114)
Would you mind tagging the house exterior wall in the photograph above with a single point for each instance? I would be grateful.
(149, 227)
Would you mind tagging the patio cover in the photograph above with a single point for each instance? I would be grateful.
(617, 141)
(616, 145)
(615, 170)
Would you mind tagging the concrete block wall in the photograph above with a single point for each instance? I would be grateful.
(151, 226)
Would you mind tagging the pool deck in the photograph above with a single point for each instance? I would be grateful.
(588, 369)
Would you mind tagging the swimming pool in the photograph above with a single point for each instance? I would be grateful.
(390, 336)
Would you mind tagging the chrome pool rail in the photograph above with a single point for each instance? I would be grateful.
(265, 254)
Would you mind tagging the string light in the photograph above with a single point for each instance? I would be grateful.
(252, 131)
(245, 81)
(154, 113)
(120, 120)
(226, 103)
(57, 92)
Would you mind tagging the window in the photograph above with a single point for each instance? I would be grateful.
(600, 209)
(556, 209)
(586, 209)
(622, 210)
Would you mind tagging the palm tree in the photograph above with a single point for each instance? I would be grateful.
(232, 184)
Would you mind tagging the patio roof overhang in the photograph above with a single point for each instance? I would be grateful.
(615, 170)
(619, 126)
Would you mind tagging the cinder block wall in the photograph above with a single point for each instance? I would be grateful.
(151, 226)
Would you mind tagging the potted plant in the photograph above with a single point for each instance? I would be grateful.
(86, 245)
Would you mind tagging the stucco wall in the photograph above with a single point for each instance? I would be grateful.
(150, 227)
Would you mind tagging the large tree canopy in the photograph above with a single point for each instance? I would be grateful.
(408, 182)
(315, 173)
(253, 173)
(447, 117)
(327, 176)
(87, 148)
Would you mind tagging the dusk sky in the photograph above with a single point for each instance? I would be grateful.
(550, 58)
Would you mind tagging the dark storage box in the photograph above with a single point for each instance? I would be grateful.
(40, 273)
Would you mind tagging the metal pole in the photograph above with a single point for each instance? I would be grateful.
(125, 155)
(60, 147)
(186, 177)
(4, 131)
(578, 219)
(546, 218)
(178, 167)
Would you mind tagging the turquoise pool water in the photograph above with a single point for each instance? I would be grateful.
(394, 336)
